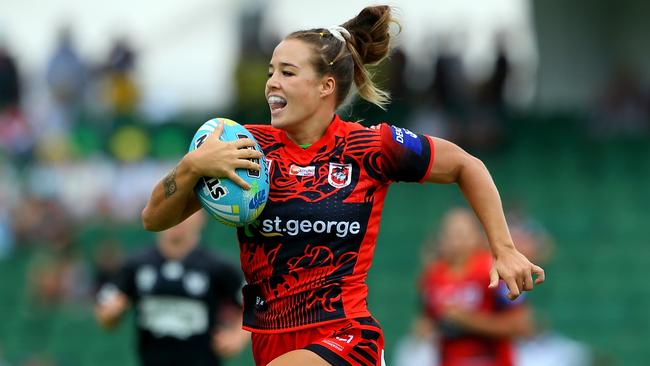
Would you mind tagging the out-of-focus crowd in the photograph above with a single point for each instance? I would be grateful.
(81, 147)
(83, 136)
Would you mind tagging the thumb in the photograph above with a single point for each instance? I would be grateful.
(494, 278)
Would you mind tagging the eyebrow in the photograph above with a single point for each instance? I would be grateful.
(285, 64)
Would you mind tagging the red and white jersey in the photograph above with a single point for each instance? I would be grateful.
(468, 290)
(307, 256)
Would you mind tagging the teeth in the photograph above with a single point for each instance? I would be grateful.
(273, 99)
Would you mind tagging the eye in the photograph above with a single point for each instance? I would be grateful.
(270, 74)
(287, 73)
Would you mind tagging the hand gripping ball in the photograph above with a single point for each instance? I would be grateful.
(221, 197)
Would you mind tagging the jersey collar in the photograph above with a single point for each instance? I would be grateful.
(327, 137)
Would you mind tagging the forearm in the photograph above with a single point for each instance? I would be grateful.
(172, 199)
(481, 193)
(515, 323)
(453, 165)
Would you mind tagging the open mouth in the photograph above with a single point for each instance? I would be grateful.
(276, 103)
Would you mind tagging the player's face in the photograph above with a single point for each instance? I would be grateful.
(459, 236)
(293, 88)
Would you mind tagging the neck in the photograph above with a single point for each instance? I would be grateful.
(311, 130)
(458, 262)
(175, 251)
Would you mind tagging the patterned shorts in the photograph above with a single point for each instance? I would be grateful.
(357, 342)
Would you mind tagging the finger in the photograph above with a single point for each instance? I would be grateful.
(249, 154)
(512, 288)
(246, 164)
(494, 278)
(540, 274)
(218, 131)
(528, 282)
(245, 142)
(238, 181)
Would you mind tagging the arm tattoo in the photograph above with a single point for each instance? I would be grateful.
(169, 183)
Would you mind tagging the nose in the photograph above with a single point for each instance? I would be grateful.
(272, 82)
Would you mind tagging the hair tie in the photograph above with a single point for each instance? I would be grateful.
(338, 32)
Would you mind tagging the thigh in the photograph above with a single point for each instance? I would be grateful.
(300, 357)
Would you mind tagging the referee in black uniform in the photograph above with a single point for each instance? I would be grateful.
(187, 302)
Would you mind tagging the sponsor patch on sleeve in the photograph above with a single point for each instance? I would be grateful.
(406, 138)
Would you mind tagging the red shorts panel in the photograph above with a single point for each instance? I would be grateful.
(358, 342)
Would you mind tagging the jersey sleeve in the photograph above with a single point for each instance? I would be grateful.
(406, 156)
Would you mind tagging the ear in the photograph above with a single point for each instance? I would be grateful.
(327, 86)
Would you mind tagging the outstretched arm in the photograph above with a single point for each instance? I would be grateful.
(173, 198)
(453, 165)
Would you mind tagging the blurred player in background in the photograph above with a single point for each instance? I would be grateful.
(187, 302)
(475, 325)
(307, 257)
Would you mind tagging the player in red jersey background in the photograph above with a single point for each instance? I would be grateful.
(475, 325)
(307, 256)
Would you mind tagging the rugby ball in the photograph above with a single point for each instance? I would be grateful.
(221, 197)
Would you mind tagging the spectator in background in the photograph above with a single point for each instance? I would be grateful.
(9, 79)
(121, 92)
(252, 56)
(15, 136)
(622, 108)
(450, 85)
(57, 273)
(57, 278)
(476, 325)
(183, 298)
(9, 196)
(66, 77)
(42, 222)
(492, 93)
(6, 234)
(485, 125)
(398, 85)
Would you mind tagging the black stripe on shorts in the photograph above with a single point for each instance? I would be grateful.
(327, 355)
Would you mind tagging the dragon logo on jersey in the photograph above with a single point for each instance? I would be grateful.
(340, 175)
